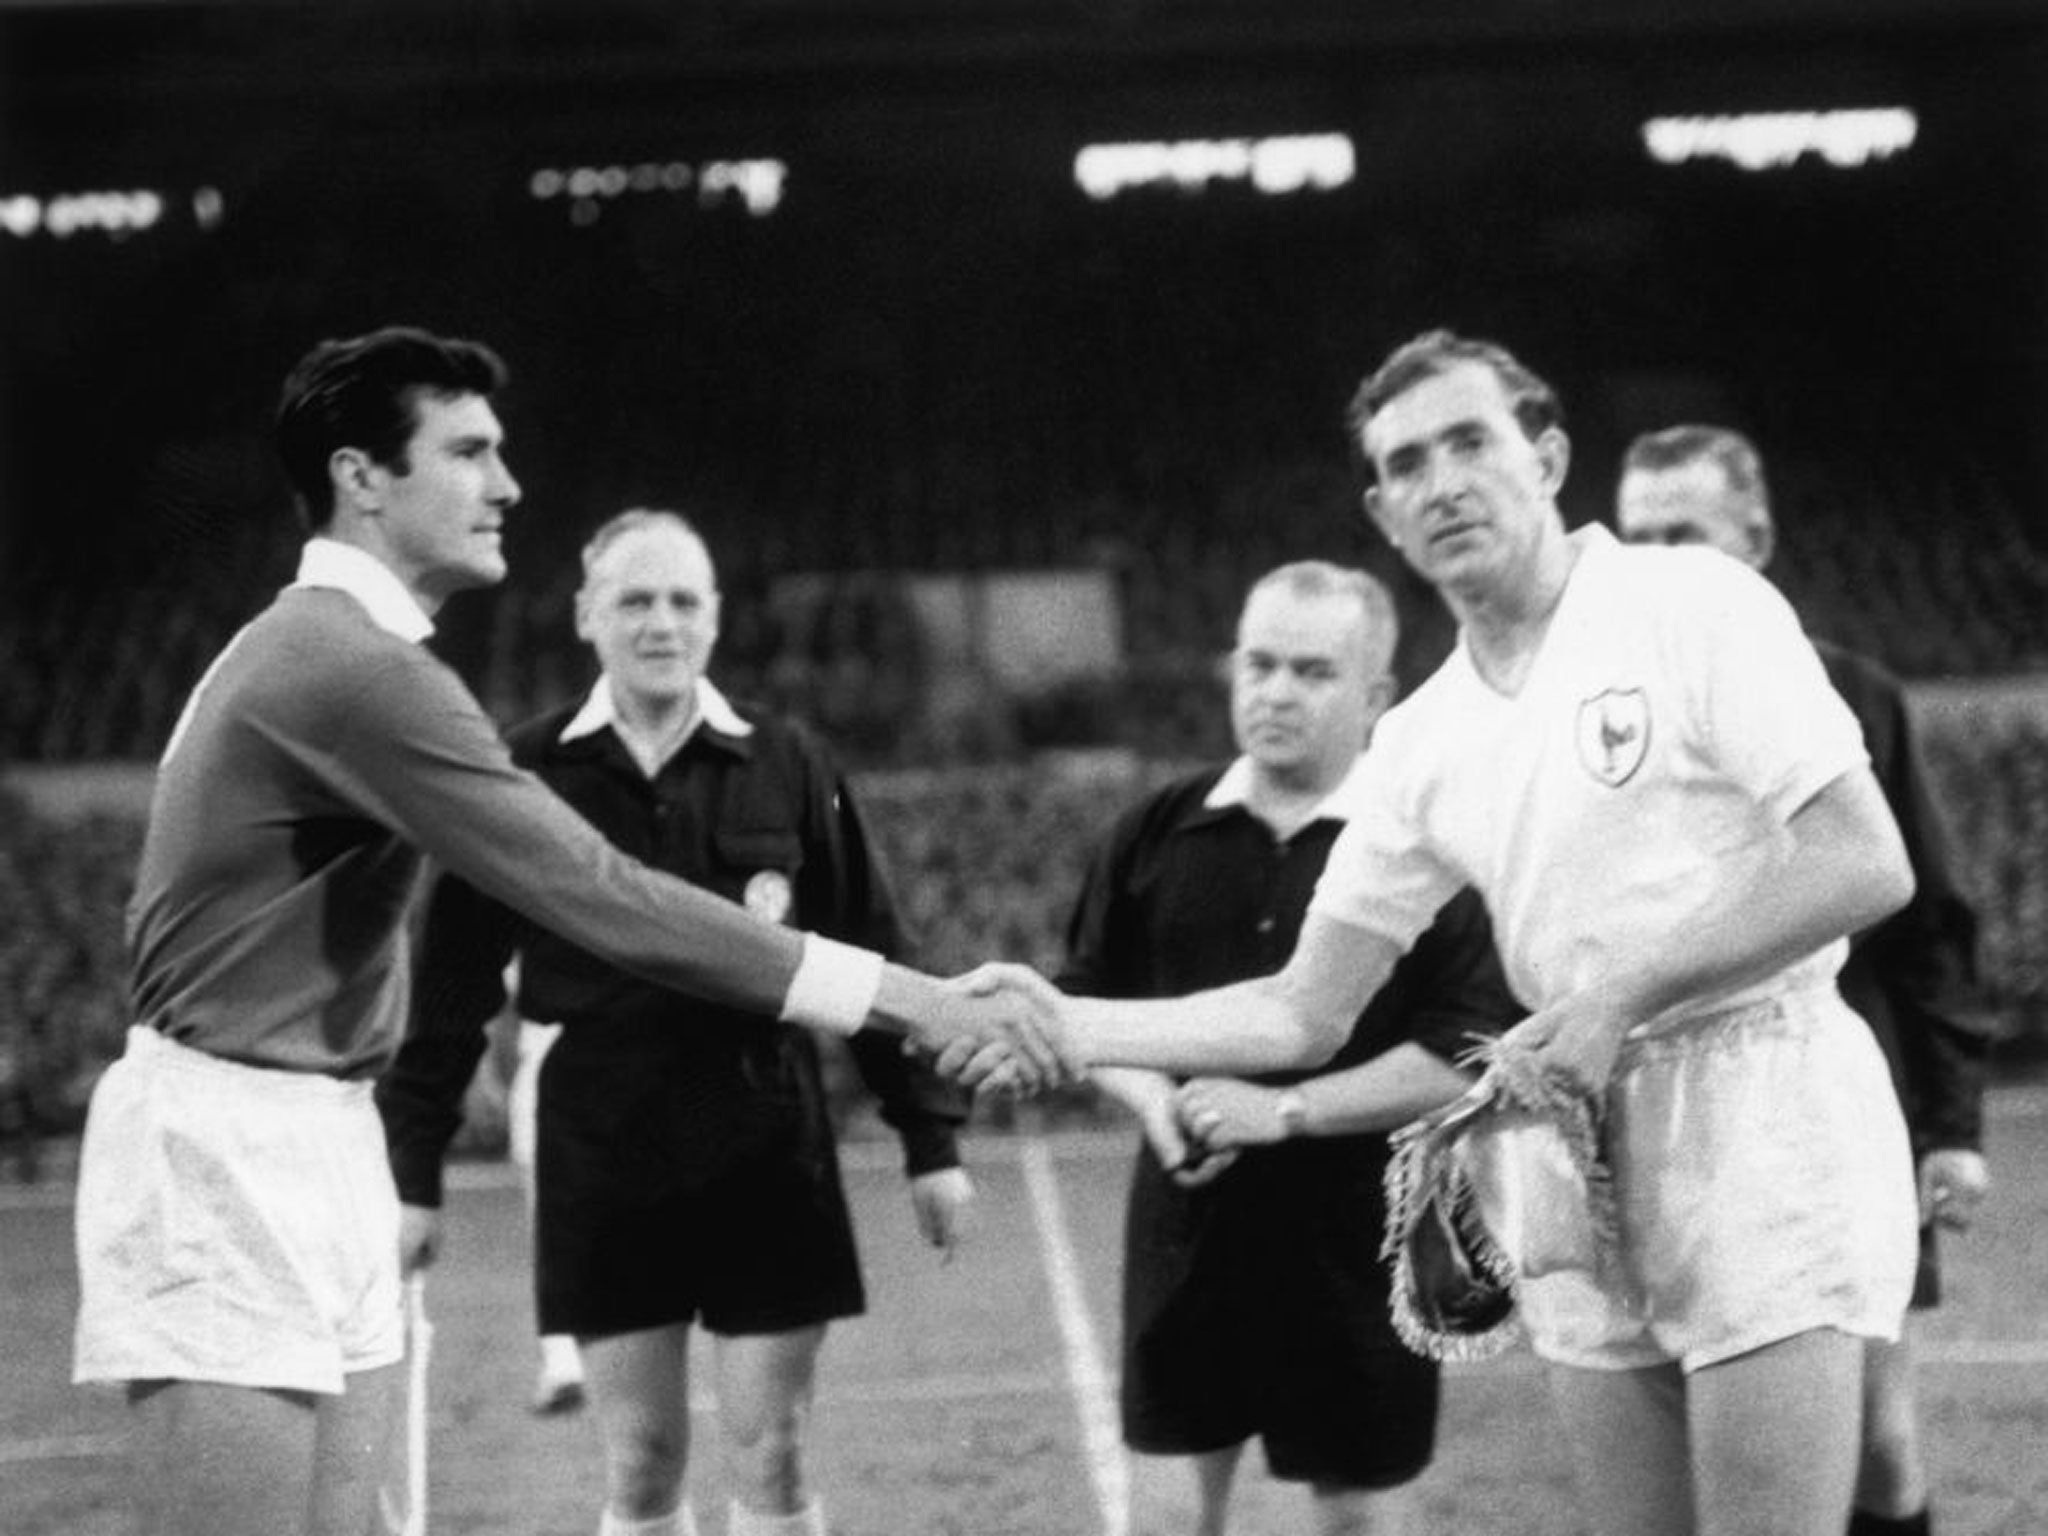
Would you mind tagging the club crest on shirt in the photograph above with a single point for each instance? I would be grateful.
(1614, 734)
(767, 895)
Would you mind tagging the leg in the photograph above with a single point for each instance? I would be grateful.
(765, 1383)
(639, 1388)
(1892, 1479)
(1215, 1472)
(1161, 1487)
(1628, 1433)
(1774, 1437)
(351, 1448)
(215, 1460)
(559, 1386)
(1346, 1511)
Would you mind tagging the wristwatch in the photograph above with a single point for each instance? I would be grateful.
(1292, 1109)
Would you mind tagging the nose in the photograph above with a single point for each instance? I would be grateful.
(1441, 479)
(1279, 686)
(503, 490)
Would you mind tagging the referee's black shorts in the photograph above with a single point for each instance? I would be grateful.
(1257, 1308)
(679, 1185)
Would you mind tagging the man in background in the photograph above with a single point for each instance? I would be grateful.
(685, 1168)
(1706, 485)
(1255, 1301)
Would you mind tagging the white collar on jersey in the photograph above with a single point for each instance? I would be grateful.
(599, 711)
(345, 568)
(1341, 804)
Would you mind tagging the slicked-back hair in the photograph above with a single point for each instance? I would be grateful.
(1534, 402)
(1690, 442)
(363, 392)
(632, 520)
(1381, 630)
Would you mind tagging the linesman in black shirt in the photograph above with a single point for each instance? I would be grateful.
(1255, 1301)
(684, 1175)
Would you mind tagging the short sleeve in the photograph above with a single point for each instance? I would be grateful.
(1383, 875)
(1767, 717)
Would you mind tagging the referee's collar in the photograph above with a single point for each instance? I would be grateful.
(343, 567)
(713, 709)
(1233, 789)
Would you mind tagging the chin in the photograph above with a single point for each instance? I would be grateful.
(1455, 567)
(1276, 758)
(665, 687)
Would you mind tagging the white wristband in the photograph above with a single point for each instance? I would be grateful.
(834, 987)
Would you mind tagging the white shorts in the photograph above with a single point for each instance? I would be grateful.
(235, 1224)
(1764, 1187)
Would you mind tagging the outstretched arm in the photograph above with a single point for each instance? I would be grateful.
(1297, 1017)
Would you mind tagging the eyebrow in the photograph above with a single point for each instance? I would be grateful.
(1448, 430)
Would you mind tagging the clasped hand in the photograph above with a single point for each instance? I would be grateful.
(1014, 1034)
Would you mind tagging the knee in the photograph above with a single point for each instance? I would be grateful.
(647, 1462)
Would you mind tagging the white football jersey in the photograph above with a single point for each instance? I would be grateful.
(1673, 721)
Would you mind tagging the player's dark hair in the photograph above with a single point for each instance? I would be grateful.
(1534, 402)
(363, 392)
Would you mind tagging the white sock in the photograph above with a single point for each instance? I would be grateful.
(679, 1522)
(558, 1358)
(808, 1521)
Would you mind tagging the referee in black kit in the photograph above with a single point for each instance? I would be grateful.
(684, 1174)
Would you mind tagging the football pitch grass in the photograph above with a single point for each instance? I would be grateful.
(977, 1397)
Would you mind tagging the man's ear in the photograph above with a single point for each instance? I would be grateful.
(356, 477)
(1763, 541)
(1554, 451)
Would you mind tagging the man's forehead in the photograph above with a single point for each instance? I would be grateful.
(659, 555)
(1465, 391)
(451, 416)
(1298, 627)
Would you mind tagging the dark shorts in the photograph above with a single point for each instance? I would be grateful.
(1258, 1308)
(668, 1193)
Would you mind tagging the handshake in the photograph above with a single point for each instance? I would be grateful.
(1001, 1028)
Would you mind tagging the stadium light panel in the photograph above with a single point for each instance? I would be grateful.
(1273, 166)
(757, 184)
(1760, 141)
(114, 214)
